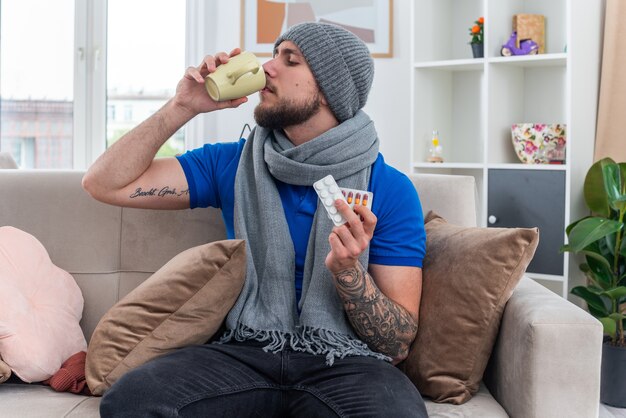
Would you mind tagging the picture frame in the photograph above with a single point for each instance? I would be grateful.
(263, 20)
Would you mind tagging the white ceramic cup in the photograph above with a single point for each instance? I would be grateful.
(241, 76)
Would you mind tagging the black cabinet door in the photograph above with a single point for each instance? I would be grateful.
(529, 198)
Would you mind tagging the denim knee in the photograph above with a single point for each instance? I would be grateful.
(134, 395)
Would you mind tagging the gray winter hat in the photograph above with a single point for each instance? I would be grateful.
(340, 62)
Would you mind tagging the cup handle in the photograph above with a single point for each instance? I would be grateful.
(236, 75)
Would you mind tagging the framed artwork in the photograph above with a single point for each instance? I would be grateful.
(263, 20)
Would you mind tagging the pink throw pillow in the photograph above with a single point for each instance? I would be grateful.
(40, 308)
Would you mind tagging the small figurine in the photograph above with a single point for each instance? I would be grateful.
(526, 47)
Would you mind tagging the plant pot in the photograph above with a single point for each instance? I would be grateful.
(613, 375)
(478, 50)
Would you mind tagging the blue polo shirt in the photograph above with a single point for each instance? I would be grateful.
(399, 237)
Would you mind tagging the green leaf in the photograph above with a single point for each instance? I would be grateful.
(610, 241)
(601, 247)
(594, 191)
(622, 169)
(613, 185)
(573, 224)
(592, 300)
(594, 289)
(597, 257)
(601, 271)
(589, 252)
(590, 230)
(609, 325)
(617, 316)
(596, 313)
(616, 293)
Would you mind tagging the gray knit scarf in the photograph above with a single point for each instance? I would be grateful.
(266, 309)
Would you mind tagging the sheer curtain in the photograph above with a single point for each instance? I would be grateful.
(611, 133)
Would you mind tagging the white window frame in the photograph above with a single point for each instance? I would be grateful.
(199, 40)
(90, 23)
(90, 77)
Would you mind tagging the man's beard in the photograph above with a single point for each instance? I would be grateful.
(286, 113)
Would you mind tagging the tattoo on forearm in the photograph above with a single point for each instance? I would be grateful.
(163, 192)
(383, 324)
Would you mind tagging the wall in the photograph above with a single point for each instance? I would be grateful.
(388, 103)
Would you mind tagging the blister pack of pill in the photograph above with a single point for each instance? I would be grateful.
(328, 191)
(358, 197)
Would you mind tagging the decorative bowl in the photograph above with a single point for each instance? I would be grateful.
(539, 143)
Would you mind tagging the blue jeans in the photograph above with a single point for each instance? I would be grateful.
(241, 380)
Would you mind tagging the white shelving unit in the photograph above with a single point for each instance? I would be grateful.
(473, 102)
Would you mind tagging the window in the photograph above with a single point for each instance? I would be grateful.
(67, 65)
(110, 113)
(128, 112)
(144, 66)
(22, 149)
(34, 94)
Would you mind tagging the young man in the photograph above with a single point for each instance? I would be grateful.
(326, 344)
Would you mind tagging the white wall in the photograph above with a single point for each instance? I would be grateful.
(388, 103)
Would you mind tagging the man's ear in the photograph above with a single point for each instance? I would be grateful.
(323, 99)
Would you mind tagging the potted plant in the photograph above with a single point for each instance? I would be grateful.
(601, 239)
(477, 34)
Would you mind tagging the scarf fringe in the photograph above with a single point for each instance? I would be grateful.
(306, 339)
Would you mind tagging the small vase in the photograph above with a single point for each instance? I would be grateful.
(478, 50)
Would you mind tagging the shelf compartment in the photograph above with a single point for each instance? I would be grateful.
(522, 95)
(443, 27)
(450, 102)
(500, 23)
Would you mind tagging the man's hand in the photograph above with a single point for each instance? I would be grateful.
(191, 94)
(382, 323)
(348, 241)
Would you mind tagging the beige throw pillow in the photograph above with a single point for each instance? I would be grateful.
(468, 276)
(183, 303)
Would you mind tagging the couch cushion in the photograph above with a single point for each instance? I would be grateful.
(482, 405)
(183, 303)
(37, 401)
(40, 308)
(469, 274)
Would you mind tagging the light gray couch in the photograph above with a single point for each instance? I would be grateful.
(546, 362)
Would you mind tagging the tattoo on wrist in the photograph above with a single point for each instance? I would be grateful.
(163, 192)
(383, 324)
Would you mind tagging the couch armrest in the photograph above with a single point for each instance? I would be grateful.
(546, 361)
